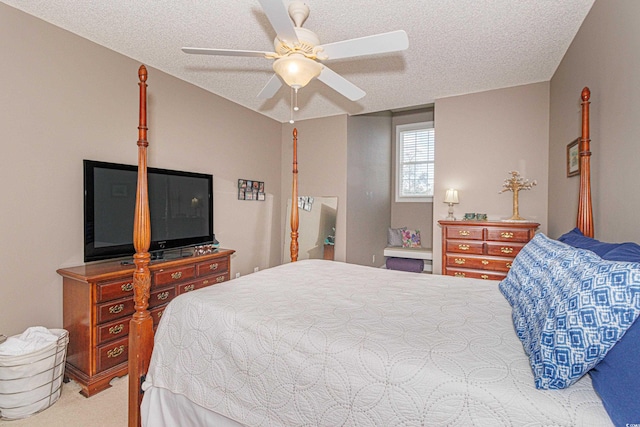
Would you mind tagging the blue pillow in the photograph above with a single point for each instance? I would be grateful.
(624, 252)
(576, 239)
(615, 379)
(611, 251)
(572, 314)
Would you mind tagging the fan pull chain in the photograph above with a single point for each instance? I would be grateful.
(294, 103)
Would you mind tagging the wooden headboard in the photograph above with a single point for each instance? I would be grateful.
(141, 324)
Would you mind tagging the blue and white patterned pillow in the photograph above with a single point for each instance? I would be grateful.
(569, 308)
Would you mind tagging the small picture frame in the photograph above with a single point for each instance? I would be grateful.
(249, 189)
(573, 158)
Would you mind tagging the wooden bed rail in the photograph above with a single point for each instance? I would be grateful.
(585, 210)
(141, 325)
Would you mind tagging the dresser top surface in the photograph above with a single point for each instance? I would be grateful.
(98, 270)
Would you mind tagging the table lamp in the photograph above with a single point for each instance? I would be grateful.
(451, 197)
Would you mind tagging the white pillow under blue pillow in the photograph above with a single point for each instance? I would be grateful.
(569, 307)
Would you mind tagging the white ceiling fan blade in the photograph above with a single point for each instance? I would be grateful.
(341, 85)
(280, 21)
(370, 45)
(271, 87)
(224, 52)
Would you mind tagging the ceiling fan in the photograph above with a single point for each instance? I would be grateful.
(298, 51)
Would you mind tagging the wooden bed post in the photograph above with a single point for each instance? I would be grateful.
(585, 211)
(294, 200)
(141, 325)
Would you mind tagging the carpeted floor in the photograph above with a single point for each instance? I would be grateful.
(108, 408)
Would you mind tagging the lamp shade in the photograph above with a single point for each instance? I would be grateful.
(297, 70)
(451, 196)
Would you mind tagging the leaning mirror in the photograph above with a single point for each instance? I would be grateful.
(316, 229)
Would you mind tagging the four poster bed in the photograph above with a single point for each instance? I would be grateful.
(317, 342)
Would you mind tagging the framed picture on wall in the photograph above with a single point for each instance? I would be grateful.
(573, 158)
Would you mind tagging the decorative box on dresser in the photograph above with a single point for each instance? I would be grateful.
(98, 304)
(482, 249)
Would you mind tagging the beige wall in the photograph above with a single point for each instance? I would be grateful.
(322, 166)
(480, 138)
(66, 99)
(413, 215)
(605, 56)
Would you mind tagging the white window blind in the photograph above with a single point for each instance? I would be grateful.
(416, 159)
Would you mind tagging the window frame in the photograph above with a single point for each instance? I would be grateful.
(398, 162)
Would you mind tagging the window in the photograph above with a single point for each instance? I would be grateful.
(415, 161)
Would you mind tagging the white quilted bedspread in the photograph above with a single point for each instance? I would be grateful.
(323, 343)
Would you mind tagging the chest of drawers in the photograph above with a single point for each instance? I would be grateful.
(482, 249)
(98, 304)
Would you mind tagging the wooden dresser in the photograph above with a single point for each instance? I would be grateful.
(482, 249)
(98, 304)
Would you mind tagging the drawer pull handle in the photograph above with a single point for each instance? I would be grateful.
(127, 287)
(506, 250)
(205, 282)
(219, 279)
(189, 288)
(464, 232)
(463, 247)
(160, 314)
(484, 276)
(506, 235)
(459, 261)
(485, 262)
(459, 274)
(115, 330)
(115, 309)
(115, 352)
(213, 266)
(163, 295)
(176, 275)
(508, 265)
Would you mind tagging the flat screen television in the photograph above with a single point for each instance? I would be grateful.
(180, 207)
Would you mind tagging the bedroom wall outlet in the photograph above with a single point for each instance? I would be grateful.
(256, 269)
(237, 275)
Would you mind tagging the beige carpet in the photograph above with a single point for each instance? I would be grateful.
(108, 408)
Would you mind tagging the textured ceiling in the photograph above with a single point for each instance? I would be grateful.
(455, 46)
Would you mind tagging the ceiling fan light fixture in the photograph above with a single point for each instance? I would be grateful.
(297, 70)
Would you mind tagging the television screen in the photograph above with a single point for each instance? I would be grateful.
(180, 207)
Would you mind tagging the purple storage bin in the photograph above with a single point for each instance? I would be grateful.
(405, 264)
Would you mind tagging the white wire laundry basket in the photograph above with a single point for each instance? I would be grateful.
(32, 382)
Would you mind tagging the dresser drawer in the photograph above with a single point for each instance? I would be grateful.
(464, 232)
(112, 354)
(156, 314)
(114, 290)
(211, 280)
(212, 267)
(113, 330)
(508, 235)
(161, 296)
(503, 249)
(465, 247)
(175, 275)
(115, 309)
(479, 263)
(476, 274)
